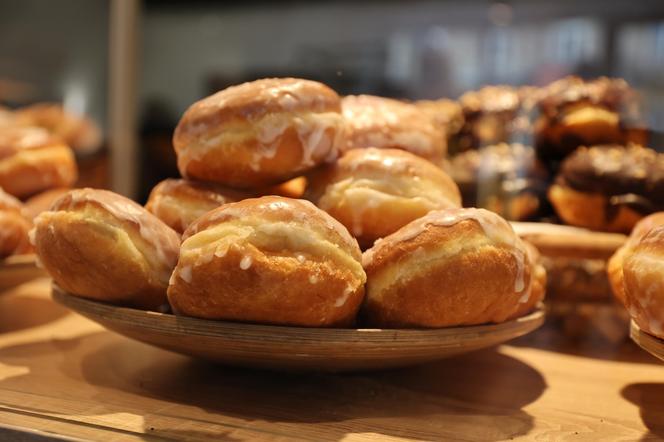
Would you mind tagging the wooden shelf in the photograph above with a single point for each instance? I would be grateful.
(62, 375)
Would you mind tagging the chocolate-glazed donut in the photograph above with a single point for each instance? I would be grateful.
(574, 112)
(609, 187)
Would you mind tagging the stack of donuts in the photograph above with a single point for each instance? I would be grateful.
(572, 152)
(298, 207)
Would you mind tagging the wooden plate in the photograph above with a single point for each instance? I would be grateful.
(296, 348)
(648, 342)
(571, 242)
(18, 269)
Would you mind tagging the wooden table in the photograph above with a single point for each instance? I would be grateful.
(63, 376)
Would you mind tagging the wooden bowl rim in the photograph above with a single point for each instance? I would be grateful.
(206, 327)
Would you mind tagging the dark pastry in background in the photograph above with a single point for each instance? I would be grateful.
(574, 112)
(609, 188)
(505, 178)
(494, 114)
(446, 113)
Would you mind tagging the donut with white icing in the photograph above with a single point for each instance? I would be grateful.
(269, 260)
(374, 192)
(260, 133)
(451, 267)
(14, 226)
(615, 265)
(32, 161)
(179, 202)
(386, 123)
(100, 245)
(643, 285)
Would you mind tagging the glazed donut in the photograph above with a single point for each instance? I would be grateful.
(7, 117)
(14, 227)
(179, 202)
(78, 131)
(574, 112)
(451, 267)
(505, 178)
(259, 133)
(447, 114)
(100, 245)
(269, 260)
(43, 201)
(374, 192)
(32, 160)
(387, 123)
(643, 267)
(609, 188)
(615, 264)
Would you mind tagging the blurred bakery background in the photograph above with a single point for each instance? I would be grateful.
(133, 67)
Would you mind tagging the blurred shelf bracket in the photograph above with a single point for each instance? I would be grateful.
(123, 134)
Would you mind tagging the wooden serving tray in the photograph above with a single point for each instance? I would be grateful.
(296, 348)
(16, 270)
(571, 242)
(648, 342)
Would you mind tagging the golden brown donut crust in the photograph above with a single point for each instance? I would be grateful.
(615, 264)
(179, 202)
(643, 267)
(452, 267)
(269, 260)
(32, 160)
(14, 227)
(100, 245)
(374, 192)
(43, 201)
(386, 123)
(585, 209)
(259, 133)
(77, 131)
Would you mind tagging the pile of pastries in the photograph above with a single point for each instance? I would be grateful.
(37, 164)
(298, 207)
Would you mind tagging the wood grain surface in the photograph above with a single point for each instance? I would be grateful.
(18, 269)
(570, 242)
(61, 374)
(297, 348)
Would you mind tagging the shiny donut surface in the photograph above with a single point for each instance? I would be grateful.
(179, 202)
(643, 267)
(101, 245)
(259, 133)
(451, 267)
(386, 123)
(14, 227)
(32, 160)
(78, 131)
(269, 260)
(374, 192)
